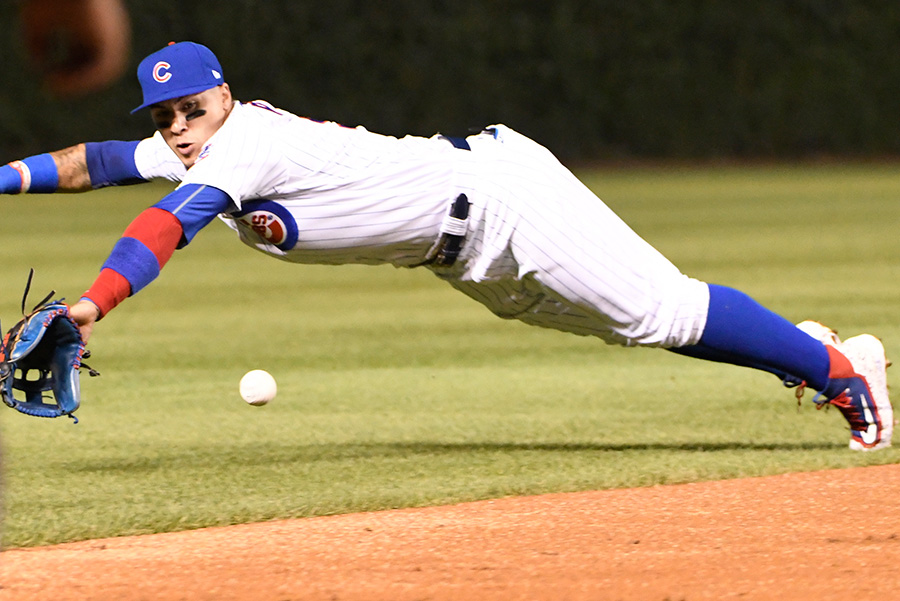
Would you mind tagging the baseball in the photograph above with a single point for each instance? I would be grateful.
(258, 387)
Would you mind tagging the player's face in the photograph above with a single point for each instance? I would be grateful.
(187, 123)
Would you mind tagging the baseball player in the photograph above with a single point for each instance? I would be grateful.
(493, 214)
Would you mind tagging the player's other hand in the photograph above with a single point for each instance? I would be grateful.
(85, 313)
(80, 45)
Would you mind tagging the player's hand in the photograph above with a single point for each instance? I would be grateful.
(85, 313)
(81, 45)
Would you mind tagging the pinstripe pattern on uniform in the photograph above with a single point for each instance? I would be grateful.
(545, 250)
(541, 247)
(357, 197)
(155, 160)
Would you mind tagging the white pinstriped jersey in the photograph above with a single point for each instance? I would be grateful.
(540, 246)
(356, 196)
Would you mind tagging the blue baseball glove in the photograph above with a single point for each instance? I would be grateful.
(42, 354)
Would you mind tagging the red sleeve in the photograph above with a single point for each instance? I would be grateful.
(145, 247)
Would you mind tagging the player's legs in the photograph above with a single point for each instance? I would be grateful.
(850, 375)
(577, 267)
(577, 250)
(742, 332)
(544, 249)
(572, 244)
(598, 263)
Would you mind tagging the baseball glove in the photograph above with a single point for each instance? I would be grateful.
(42, 353)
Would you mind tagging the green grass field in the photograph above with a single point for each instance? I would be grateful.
(396, 391)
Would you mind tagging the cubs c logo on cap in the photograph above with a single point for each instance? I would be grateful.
(177, 70)
(161, 72)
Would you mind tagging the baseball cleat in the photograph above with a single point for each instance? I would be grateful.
(859, 363)
(820, 332)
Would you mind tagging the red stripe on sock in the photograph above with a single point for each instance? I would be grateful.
(840, 365)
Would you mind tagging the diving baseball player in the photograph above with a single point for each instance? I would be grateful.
(494, 214)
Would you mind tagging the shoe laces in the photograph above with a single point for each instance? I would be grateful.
(818, 400)
(800, 385)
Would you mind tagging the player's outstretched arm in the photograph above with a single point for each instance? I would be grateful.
(37, 174)
(63, 170)
(146, 246)
(78, 168)
(72, 169)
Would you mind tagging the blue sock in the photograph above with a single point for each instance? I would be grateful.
(742, 332)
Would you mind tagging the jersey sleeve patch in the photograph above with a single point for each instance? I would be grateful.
(269, 220)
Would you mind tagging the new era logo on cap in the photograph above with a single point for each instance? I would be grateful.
(178, 70)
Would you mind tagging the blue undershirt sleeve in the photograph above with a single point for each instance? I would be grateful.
(195, 205)
(112, 163)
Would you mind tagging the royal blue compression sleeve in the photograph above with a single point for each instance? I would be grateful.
(37, 175)
(195, 206)
(111, 163)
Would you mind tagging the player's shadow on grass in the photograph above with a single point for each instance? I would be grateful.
(266, 455)
(557, 447)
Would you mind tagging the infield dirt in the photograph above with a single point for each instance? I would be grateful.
(809, 536)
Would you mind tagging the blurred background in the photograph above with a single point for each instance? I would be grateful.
(393, 389)
(593, 80)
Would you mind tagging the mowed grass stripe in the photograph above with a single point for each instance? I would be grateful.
(396, 391)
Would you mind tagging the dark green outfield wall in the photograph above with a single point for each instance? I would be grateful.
(590, 79)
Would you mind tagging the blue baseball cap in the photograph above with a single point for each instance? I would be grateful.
(178, 70)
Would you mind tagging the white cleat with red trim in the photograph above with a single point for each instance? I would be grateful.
(864, 402)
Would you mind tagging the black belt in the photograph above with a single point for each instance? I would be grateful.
(445, 251)
(463, 143)
(458, 142)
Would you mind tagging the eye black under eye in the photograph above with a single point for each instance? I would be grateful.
(194, 114)
(163, 124)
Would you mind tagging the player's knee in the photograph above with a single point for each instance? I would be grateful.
(675, 318)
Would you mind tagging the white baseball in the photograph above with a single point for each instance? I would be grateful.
(258, 387)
